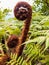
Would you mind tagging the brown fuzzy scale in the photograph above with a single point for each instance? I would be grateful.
(4, 59)
(22, 11)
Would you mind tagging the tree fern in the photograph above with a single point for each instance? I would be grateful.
(36, 49)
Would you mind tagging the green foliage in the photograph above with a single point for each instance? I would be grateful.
(42, 6)
(3, 14)
(36, 49)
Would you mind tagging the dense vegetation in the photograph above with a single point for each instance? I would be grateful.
(36, 51)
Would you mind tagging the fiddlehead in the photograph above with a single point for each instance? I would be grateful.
(22, 11)
(12, 41)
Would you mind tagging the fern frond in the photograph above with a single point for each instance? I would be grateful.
(15, 60)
